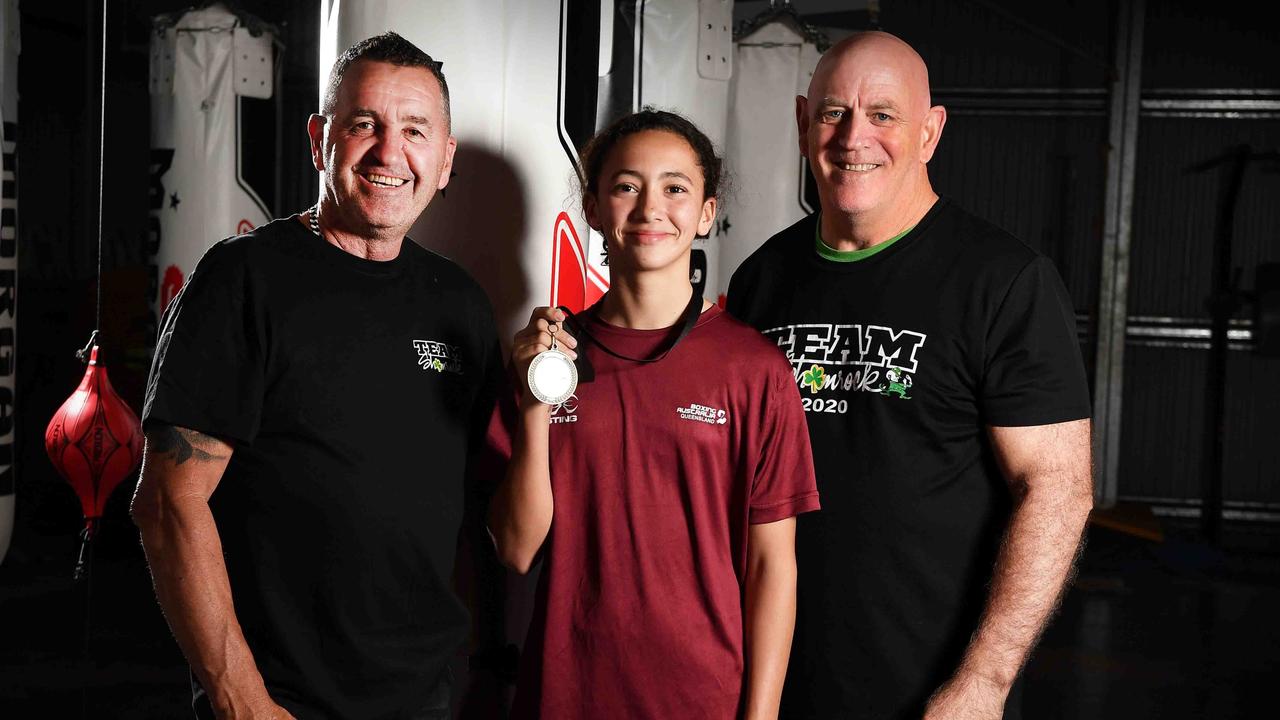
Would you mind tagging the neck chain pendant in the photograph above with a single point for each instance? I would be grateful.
(313, 216)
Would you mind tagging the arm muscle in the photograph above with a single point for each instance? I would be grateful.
(180, 470)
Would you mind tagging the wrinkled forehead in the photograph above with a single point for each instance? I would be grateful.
(369, 81)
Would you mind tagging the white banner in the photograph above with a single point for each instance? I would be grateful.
(774, 65)
(9, 49)
(201, 65)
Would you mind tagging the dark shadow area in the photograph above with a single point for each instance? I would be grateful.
(1170, 629)
(486, 198)
(127, 666)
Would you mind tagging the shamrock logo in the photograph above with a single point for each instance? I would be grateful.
(437, 365)
(813, 378)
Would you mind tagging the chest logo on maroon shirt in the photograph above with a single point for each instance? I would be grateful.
(703, 413)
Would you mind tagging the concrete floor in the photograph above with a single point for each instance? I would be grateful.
(1150, 630)
(1164, 630)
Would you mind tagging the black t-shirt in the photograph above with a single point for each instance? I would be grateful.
(902, 359)
(351, 391)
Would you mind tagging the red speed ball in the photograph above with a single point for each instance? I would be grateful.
(94, 440)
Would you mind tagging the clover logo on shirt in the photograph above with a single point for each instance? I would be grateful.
(813, 378)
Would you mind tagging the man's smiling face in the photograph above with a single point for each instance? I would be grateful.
(866, 126)
(386, 149)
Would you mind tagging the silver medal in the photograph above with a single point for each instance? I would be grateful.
(552, 376)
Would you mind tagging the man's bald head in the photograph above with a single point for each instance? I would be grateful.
(883, 48)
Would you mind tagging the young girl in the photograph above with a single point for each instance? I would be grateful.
(662, 495)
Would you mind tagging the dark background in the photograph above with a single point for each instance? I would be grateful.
(1162, 622)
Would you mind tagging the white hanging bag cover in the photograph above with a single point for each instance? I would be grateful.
(774, 65)
(200, 67)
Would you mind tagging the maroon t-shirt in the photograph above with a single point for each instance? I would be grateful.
(657, 471)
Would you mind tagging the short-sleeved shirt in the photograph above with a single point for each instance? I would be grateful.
(351, 391)
(657, 471)
(903, 360)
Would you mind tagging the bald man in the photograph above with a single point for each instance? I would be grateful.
(947, 406)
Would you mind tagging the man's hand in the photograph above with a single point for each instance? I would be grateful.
(967, 697)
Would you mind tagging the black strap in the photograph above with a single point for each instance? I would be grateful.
(586, 373)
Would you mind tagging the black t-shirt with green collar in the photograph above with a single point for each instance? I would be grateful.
(903, 356)
(355, 393)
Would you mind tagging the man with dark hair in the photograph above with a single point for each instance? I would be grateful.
(330, 380)
(947, 406)
(389, 48)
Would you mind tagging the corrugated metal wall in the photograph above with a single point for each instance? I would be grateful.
(982, 44)
(1037, 177)
(1175, 211)
(1203, 67)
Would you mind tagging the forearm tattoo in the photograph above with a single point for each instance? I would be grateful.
(182, 444)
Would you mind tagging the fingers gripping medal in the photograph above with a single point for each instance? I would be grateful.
(552, 375)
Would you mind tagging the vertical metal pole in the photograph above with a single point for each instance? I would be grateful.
(1113, 296)
(1223, 303)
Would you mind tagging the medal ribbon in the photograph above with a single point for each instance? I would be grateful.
(688, 319)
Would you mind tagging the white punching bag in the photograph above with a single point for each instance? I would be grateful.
(774, 66)
(202, 63)
(8, 259)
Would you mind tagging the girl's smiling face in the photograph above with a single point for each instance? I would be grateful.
(649, 203)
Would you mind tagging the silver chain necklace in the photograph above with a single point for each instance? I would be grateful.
(313, 215)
